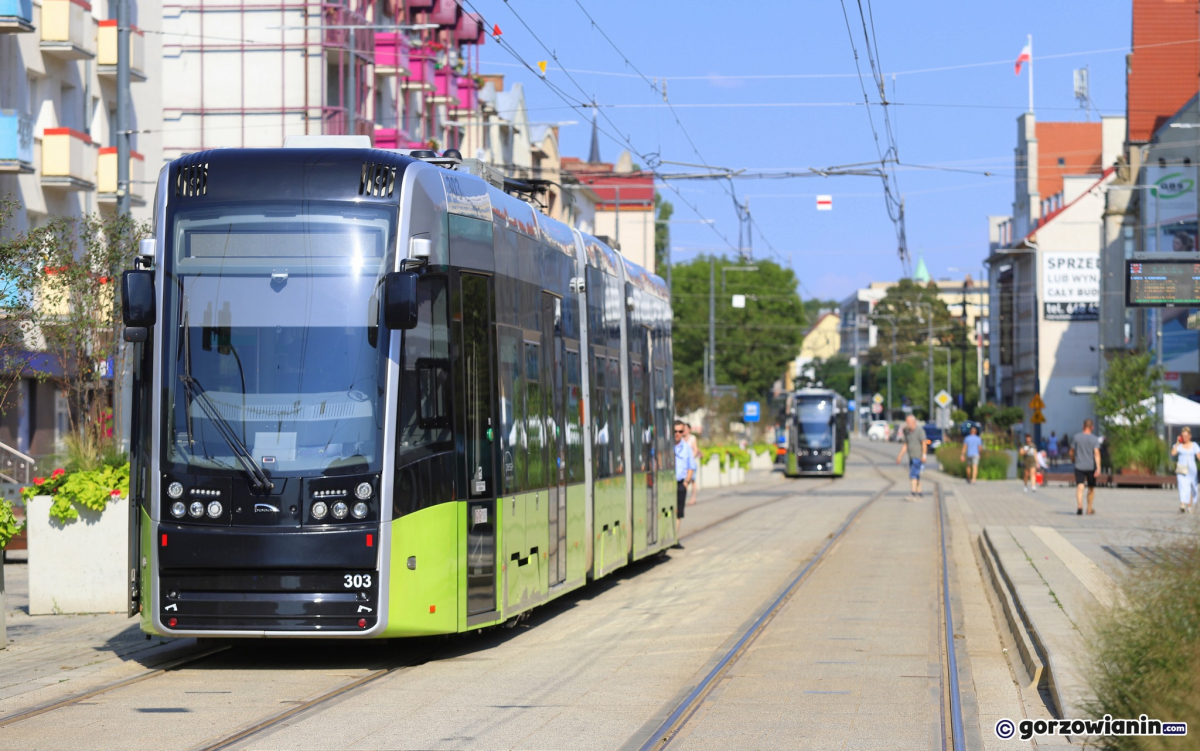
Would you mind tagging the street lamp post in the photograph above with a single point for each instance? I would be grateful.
(929, 404)
(712, 313)
(892, 321)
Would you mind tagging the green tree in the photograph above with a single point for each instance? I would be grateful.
(909, 305)
(835, 373)
(62, 293)
(663, 210)
(1130, 380)
(754, 344)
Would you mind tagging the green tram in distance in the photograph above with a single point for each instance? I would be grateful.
(375, 395)
(818, 433)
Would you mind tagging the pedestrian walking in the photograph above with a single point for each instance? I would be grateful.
(1085, 454)
(692, 443)
(972, 450)
(1028, 454)
(1185, 451)
(916, 445)
(685, 469)
(1052, 449)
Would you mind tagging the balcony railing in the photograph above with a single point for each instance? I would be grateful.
(391, 53)
(421, 70)
(16, 142)
(333, 123)
(16, 16)
(106, 59)
(68, 29)
(68, 160)
(106, 175)
(445, 87)
(468, 96)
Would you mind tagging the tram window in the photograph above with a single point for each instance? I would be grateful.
(512, 411)
(534, 427)
(616, 416)
(601, 453)
(574, 419)
(424, 379)
(665, 458)
(470, 242)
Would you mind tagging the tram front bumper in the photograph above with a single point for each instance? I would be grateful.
(223, 579)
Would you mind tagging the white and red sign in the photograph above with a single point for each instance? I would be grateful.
(824, 203)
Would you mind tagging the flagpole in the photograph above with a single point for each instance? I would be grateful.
(1031, 74)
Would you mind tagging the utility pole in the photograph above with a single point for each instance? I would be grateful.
(712, 323)
(123, 198)
(352, 93)
(962, 391)
(857, 377)
(1159, 422)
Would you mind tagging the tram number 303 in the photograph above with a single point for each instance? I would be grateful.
(357, 581)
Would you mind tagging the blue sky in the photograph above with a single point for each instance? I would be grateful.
(832, 252)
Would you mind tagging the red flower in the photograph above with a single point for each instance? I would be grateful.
(116, 493)
(58, 472)
(104, 280)
(39, 480)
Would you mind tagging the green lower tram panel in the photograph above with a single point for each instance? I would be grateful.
(465, 565)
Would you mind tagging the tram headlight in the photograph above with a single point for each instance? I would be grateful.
(359, 510)
(319, 510)
(196, 509)
(215, 509)
(340, 510)
(178, 509)
(363, 491)
(175, 490)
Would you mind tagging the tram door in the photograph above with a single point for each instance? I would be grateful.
(475, 383)
(553, 367)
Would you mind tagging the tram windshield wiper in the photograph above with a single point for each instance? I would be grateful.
(195, 393)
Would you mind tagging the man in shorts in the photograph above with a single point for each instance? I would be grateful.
(971, 451)
(685, 467)
(917, 446)
(1085, 452)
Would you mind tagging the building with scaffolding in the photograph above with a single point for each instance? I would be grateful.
(248, 74)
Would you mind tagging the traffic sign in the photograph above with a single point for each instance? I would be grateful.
(878, 398)
(876, 409)
(943, 399)
(824, 203)
(1038, 418)
(1036, 402)
(750, 412)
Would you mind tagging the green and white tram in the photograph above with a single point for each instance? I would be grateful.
(378, 396)
(818, 433)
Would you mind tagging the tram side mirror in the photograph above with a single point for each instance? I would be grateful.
(137, 304)
(400, 300)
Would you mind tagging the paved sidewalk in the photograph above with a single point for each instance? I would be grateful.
(1062, 569)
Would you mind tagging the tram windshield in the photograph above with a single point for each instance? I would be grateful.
(814, 423)
(273, 348)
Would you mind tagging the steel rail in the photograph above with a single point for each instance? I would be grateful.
(669, 729)
(50, 706)
(958, 737)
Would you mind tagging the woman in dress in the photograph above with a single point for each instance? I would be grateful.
(1028, 454)
(1184, 451)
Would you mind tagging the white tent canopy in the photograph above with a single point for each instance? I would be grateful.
(1177, 410)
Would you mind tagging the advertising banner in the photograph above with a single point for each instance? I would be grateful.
(1071, 286)
(1170, 216)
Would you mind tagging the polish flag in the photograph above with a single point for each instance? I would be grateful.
(1026, 56)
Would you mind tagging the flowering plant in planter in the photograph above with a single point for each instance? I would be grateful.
(89, 489)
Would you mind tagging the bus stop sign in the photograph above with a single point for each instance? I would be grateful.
(750, 412)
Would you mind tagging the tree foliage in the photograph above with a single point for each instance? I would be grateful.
(909, 305)
(1130, 380)
(753, 344)
(61, 306)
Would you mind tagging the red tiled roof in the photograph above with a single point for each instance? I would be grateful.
(1066, 149)
(636, 188)
(1162, 76)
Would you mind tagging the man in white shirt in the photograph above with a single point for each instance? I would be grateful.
(685, 468)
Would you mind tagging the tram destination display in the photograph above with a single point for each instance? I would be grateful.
(1162, 284)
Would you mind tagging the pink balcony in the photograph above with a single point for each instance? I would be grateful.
(419, 4)
(470, 29)
(420, 69)
(445, 87)
(391, 53)
(444, 13)
(467, 95)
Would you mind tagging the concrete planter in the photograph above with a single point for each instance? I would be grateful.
(3, 607)
(764, 461)
(78, 567)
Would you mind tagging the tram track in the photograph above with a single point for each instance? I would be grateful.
(687, 710)
(204, 653)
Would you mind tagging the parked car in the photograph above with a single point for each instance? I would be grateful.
(878, 431)
(933, 434)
